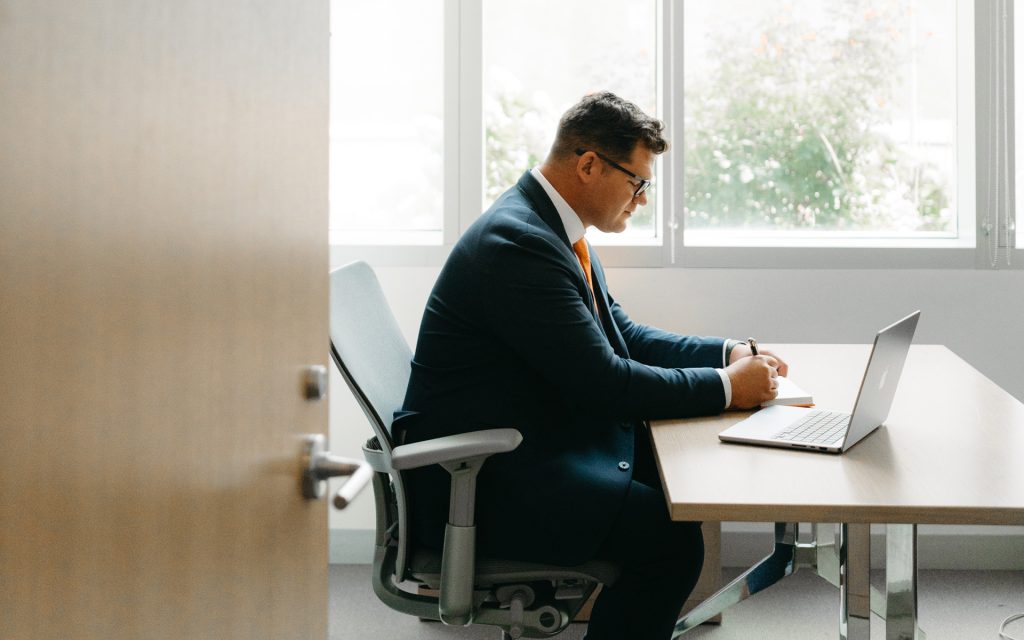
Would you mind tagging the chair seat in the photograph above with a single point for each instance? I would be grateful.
(426, 567)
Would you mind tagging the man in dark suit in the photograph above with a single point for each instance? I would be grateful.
(521, 331)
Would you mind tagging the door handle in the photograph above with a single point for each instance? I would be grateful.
(318, 465)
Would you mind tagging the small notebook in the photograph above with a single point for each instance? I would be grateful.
(790, 394)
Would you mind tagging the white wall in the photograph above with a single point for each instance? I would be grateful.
(978, 314)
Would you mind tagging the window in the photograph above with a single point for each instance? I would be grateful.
(387, 122)
(803, 133)
(807, 120)
(1012, 234)
(573, 49)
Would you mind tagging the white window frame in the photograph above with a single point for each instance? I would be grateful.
(985, 13)
(463, 141)
(464, 163)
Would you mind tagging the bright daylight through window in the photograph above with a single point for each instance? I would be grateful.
(803, 123)
(819, 119)
(578, 47)
(387, 147)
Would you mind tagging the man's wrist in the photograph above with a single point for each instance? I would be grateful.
(726, 387)
(730, 344)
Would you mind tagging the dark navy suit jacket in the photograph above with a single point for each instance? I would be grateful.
(510, 338)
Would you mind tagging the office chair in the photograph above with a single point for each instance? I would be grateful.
(521, 599)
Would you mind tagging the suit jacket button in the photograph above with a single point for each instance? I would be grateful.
(624, 466)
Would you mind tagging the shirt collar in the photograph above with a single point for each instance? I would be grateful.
(574, 228)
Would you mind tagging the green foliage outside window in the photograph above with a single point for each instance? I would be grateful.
(511, 143)
(519, 129)
(517, 137)
(789, 129)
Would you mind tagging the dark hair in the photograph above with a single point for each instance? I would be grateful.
(607, 123)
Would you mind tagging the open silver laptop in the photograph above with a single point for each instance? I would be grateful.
(814, 429)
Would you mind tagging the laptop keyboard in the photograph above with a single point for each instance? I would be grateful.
(817, 427)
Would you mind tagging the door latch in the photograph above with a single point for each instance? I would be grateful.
(318, 465)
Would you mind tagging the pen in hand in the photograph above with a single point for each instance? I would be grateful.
(753, 346)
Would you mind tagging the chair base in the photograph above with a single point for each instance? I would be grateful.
(563, 592)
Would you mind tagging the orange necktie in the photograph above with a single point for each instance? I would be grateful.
(583, 253)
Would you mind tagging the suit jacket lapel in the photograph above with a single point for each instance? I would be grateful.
(546, 210)
(544, 207)
(605, 313)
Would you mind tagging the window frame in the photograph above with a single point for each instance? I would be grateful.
(464, 150)
(462, 39)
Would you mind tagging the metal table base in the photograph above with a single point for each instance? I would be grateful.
(845, 561)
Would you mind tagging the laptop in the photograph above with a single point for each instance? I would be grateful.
(834, 431)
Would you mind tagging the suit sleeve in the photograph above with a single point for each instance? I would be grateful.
(665, 349)
(535, 304)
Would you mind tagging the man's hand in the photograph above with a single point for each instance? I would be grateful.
(753, 380)
(741, 351)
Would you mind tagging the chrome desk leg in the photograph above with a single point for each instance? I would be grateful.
(764, 574)
(854, 581)
(826, 553)
(846, 563)
(901, 583)
(827, 560)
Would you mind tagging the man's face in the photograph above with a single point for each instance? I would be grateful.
(612, 202)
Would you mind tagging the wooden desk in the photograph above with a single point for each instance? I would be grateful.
(949, 453)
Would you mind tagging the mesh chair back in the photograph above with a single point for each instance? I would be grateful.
(368, 347)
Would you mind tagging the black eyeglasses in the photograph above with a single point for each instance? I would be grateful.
(644, 183)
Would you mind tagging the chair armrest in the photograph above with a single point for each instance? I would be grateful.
(455, 448)
(461, 455)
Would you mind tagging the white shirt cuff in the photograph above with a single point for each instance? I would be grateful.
(726, 386)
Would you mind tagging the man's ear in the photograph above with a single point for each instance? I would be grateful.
(586, 168)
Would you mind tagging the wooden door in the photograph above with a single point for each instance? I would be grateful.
(163, 282)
